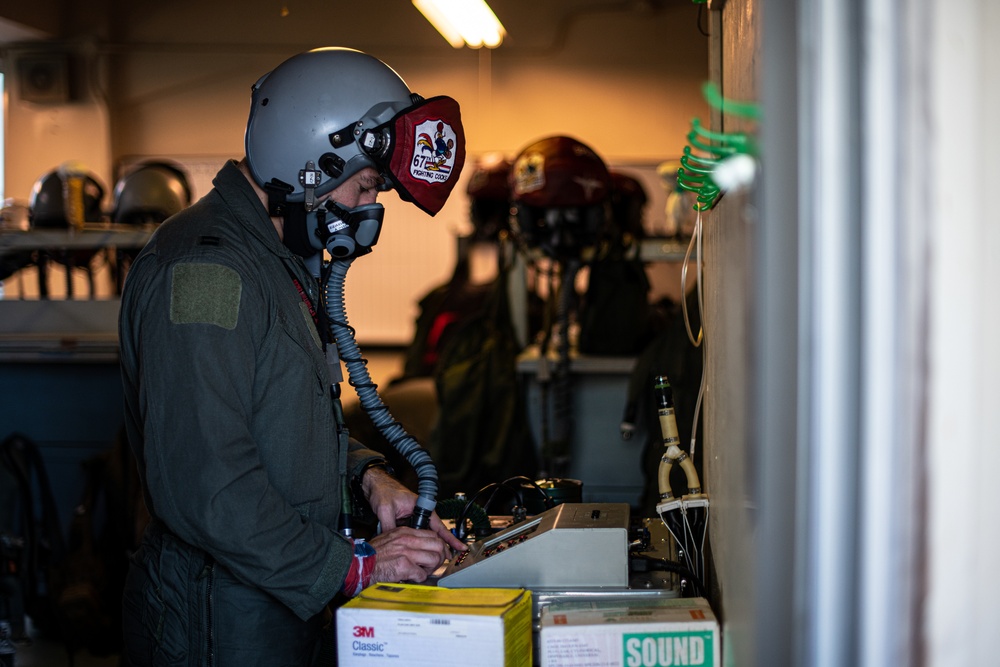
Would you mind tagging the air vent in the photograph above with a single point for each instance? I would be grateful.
(44, 78)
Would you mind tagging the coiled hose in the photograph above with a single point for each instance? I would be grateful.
(360, 379)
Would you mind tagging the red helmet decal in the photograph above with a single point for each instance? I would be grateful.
(559, 171)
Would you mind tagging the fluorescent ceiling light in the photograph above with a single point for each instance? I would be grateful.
(462, 22)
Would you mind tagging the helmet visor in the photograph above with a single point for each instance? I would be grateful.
(426, 152)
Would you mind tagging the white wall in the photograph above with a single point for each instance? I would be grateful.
(40, 137)
(963, 595)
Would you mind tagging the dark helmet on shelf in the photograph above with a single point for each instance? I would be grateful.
(561, 191)
(489, 197)
(47, 204)
(628, 203)
(150, 193)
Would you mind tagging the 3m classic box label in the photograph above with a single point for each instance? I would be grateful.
(408, 625)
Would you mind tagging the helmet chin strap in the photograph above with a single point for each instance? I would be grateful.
(295, 233)
(297, 236)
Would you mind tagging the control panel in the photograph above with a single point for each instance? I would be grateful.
(573, 545)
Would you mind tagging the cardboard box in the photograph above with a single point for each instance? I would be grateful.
(407, 624)
(641, 633)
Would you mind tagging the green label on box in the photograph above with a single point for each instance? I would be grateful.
(667, 649)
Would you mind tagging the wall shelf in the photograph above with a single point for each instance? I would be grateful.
(93, 235)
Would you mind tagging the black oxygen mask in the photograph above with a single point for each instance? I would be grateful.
(345, 233)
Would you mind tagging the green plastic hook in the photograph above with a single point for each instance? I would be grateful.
(716, 100)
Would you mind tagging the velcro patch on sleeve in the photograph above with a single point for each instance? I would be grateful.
(205, 294)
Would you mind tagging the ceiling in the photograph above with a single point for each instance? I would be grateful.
(533, 27)
(11, 32)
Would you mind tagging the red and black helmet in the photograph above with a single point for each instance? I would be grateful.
(561, 191)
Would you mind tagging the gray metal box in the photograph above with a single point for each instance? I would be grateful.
(571, 546)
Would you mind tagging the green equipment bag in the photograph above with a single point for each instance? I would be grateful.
(482, 434)
(615, 318)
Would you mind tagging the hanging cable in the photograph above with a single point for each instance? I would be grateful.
(695, 341)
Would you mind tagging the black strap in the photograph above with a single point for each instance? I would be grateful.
(25, 462)
(319, 315)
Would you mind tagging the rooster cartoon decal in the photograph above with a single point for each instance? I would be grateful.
(439, 148)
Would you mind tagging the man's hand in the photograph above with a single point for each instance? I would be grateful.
(407, 554)
(392, 501)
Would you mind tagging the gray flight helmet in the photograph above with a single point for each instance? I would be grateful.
(312, 108)
(150, 193)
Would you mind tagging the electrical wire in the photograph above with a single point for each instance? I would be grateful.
(673, 566)
(453, 508)
(687, 518)
(701, 13)
(687, 521)
(493, 488)
(695, 243)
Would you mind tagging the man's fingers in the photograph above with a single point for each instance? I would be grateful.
(421, 547)
(398, 568)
